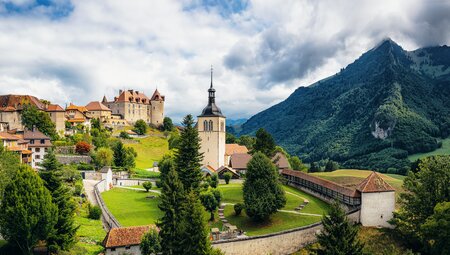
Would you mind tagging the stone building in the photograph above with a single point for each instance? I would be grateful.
(16, 144)
(39, 144)
(211, 130)
(77, 115)
(124, 240)
(133, 105)
(11, 107)
(97, 110)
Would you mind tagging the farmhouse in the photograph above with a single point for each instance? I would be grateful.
(39, 144)
(124, 240)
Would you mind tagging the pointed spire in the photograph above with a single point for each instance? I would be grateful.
(211, 77)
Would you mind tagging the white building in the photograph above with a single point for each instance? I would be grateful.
(39, 144)
(211, 130)
(377, 201)
(120, 241)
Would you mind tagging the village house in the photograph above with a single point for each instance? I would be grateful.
(39, 144)
(98, 110)
(77, 115)
(11, 107)
(15, 143)
(133, 105)
(239, 161)
(125, 240)
(231, 149)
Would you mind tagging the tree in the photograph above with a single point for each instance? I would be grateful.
(140, 127)
(331, 166)
(124, 135)
(27, 213)
(436, 230)
(227, 176)
(147, 186)
(339, 236)
(174, 140)
(188, 157)
(32, 117)
(119, 154)
(103, 157)
(314, 167)
(64, 234)
(263, 193)
(165, 165)
(230, 138)
(424, 190)
(82, 147)
(214, 181)
(247, 141)
(167, 124)
(9, 162)
(238, 208)
(210, 202)
(150, 243)
(264, 143)
(171, 204)
(297, 164)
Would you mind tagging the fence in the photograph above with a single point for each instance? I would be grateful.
(108, 218)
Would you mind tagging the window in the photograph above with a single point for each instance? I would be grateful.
(127, 247)
(113, 249)
(210, 125)
(31, 141)
(42, 141)
(38, 156)
(222, 126)
(205, 125)
(38, 149)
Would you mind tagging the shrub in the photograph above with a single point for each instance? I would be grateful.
(238, 208)
(94, 212)
(227, 176)
(78, 188)
(158, 184)
(124, 135)
(84, 166)
(82, 147)
(214, 181)
(147, 186)
(140, 127)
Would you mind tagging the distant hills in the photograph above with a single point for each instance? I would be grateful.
(387, 104)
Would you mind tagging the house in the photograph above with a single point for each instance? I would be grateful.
(39, 144)
(133, 105)
(98, 110)
(208, 170)
(225, 169)
(231, 149)
(116, 121)
(11, 107)
(238, 161)
(125, 240)
(77, 115)
(14, 143)
(281, 161)
(107, 175)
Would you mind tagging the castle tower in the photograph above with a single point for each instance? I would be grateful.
(157, 108)
(211, 130)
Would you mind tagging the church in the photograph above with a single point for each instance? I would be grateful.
(211, 130)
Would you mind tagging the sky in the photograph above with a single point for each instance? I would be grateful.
(261, 51)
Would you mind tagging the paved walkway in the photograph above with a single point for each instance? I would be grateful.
(89, 190)
(124, 187)
(288, 211)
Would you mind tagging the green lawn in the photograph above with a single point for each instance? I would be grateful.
(149, 149)
(444, 150)
(90, 234)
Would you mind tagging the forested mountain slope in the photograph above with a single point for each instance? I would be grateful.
(387, 104)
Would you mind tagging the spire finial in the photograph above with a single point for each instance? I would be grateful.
(211, 76)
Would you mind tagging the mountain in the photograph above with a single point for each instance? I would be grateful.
(387, 104)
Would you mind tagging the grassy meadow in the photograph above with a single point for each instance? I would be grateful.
(444, 150)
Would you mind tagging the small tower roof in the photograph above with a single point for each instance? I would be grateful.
(374, 183)
(104, 100)
(211, 109)
(157, 96)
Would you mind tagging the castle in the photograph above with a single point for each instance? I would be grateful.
(133, 105)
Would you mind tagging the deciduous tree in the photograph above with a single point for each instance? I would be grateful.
(151, 243)
(210, 202)
(167, 124)
(34, 118)
(297, 164)
(140, 127)
(264, 143)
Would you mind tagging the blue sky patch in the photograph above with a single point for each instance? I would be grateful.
(55, 9)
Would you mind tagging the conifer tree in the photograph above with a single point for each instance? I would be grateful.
(166, 163)
(264, 143)
(119, 154)
(339, 236)
(27, 213)
(64, 233)
(263, 194)
(172, 224)
(188, 157)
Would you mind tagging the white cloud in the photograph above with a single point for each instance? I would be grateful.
(260, 55)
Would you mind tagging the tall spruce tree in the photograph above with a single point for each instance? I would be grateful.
(172, 224)
(264, 143)
(27, 213)
(263, 193)
(166, 163)
(188, 157)
(339, 236)
(119, 154)
(64, 234)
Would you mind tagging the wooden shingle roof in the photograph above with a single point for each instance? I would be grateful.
(120, 237)
(374, 183)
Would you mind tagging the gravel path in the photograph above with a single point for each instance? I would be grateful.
(89, 190)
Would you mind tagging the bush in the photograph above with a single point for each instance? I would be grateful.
(147, 186)
(82, 147)
(227, 176)
(124, 135)
(94, 212)
(84, 166)
(158, 184)
(214, 181)
(78, 188)
(140, 127)
(238, 208)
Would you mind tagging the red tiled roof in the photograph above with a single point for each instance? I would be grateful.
(54, 108)
(76, 107)
(322, 182)
(8, 136)
(132, 96)
(118, 237)
(240, 160)
(374, 183)
(16, 102)
(280, 160)
(157, 96)
(232, 148)
(97, 106)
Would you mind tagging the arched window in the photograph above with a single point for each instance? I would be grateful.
(222, 126)
(205, 125)
(210, 125)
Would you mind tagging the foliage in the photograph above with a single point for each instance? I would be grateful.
(150, 243)
(82, 147)
(436, 229)
(95, 212)
(230, 138)
(238, 208)
(297, 164)
(336, 116)
(227, 176)
(263, 194)
(27, 213)
(140, 127)
(167, 124)
(124, 156)
(174, 140)
(339, 235)
(188, 157)
(84, 166)
(78, 188)
(165, 165)
(103, 157)
(34, 118)
(331, 166)
(9, 162)
(158, 184)
(147, 186)
(210, 202)
(314, 167)
(214, 181)
(124, 135)
(247, 141)
(425, 189)
(264, 143)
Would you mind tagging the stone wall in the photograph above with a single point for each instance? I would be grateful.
(132, 182)
(108, 218)
(70, 149)
(73, 159)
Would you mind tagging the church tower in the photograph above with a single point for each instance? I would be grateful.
(211, 130)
